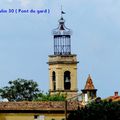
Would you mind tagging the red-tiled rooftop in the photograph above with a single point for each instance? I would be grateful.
(116, 97)
(42, 106)
(89, 84)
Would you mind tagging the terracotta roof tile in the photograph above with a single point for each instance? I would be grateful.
(113, 98)
(38, 105)
(89, 83)
(116, 97)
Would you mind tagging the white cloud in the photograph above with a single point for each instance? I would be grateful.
(24, 3)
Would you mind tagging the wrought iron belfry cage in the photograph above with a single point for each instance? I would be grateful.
(62, 39)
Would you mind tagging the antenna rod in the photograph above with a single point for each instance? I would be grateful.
(61, 11)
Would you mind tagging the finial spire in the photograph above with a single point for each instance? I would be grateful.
(89, 76)
(62, 12)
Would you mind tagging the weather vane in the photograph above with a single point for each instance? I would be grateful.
(62, 12)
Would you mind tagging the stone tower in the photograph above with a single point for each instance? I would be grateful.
(89, 92)
(62, 64)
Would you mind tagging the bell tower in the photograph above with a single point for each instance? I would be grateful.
(89, 92)
(62, 64)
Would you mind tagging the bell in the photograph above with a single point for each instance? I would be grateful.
(67, 80)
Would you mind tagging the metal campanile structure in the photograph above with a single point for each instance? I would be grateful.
(62, 39)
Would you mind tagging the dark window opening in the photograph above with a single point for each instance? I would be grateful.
(53, 76)
(36, 116)
(67, 83)
(92, 95)
(54, 86)
(54, 80)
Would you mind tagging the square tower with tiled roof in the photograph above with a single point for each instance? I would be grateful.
(89, 92)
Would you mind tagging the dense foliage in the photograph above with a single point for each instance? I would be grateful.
(48, 97)
(20, 90)
(103, 110)
(27, 90)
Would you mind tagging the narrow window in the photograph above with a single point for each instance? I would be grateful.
(35, 117)
(67, 83)
(54, 80)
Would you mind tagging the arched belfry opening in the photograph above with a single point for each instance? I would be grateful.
(62, 63)
(54, 80)
(67, 81)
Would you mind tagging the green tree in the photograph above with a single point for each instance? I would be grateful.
(48, 97)
(103, 110)
(20, 90)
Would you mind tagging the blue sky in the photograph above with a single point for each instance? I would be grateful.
(26, 41)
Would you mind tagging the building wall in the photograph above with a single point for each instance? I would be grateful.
(59, 70)
(30, 116)
(60, 64)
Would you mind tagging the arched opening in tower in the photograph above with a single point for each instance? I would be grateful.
(54, 80)
(67, 83)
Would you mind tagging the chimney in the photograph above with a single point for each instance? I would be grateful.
(116, 93)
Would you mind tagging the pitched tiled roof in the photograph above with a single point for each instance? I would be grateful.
(89, 83)
(42, 106)
(113, 98)
(116, 97)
